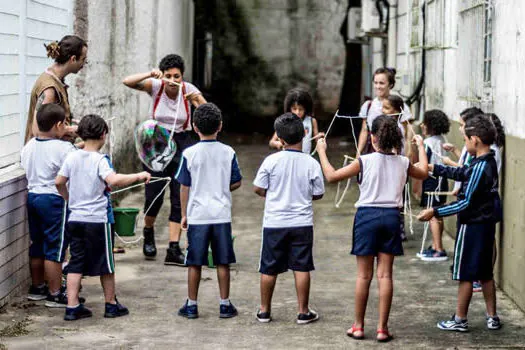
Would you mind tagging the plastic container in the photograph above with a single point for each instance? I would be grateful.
(125, 219)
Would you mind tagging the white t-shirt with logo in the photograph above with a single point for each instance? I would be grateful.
(208, 169)
(291, 178)
(42, 159)
(168, 109)
(88, 191)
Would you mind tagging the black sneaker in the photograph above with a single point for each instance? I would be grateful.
(37, 293)
(263, 317)
(76, 313)
(493, 323)
(149, 249)
(310, 316)
(227, 311)
(189, 311)
(174, 256)
(60, 300)
(115, 310)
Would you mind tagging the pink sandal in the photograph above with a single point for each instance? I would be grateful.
(354, 329)
(387, 339)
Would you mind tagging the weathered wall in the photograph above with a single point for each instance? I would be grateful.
(126, 37)
(455, 80)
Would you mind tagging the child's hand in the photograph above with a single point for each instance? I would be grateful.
(145, 176)
(321, 145)
(418, 140)
(447, 161)
(184, 223)
(449, 147)
(455, 192)
(320, 135)
(71, 130)
(155, 73)
(426, 215)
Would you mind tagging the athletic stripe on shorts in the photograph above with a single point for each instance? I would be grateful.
(109, 248)
(460, 243)
(62, 230)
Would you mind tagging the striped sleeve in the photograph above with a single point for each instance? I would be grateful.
(456, 207)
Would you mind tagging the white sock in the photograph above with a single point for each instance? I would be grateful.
(225, 302)
(192, 302)
(73, 307)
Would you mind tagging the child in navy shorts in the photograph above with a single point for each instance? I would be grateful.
(208, 172)
(479, 209)
(435, 125)
(289, 180)
(381, 176)
(88, 174)
(42, 158)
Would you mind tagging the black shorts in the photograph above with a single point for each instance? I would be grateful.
(377, 230)
(91, 248)
(183, 140)
(431, 185)
(218, 236)
(473, 252)
(287, 248)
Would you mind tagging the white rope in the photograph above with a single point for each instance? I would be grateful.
(142, 184)
(408, 206)
(339, 200)
(430, 199)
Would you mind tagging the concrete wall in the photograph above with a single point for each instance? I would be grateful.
(455, 80)
(126, 37)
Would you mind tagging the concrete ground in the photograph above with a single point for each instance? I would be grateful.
(424, 294)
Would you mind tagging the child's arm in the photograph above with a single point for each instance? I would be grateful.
(120, 180)
(60, 183)
(275, 143)
(362, 137)
(452, 148)
(457, 206)
(450, 172)
(315, 128)
(235, 186)
(236, 176)
(421, 170)
(259, 191)
(329, 172)
(184, 195)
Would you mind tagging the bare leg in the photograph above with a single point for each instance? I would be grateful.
(302, 287)
(194, 279)
(37, 271)
(267, 287)
(365, 271)
(386, 290)
(464, 296)
(223, 275)
(436, 227)
(489, 294)
(53, 275)
(73, 287)
(174, 231)
(149, 221)
(108, 285)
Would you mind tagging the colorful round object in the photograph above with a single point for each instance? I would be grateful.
(153, 144)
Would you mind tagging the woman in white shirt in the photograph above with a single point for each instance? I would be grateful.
(384, 81)
(164, 86)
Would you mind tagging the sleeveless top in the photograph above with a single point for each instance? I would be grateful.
(382, 178)
(47, 80)
(307, 140)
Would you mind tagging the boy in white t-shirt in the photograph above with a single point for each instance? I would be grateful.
(89, 174)
(208, 172)
(42, 158)
(289, 180)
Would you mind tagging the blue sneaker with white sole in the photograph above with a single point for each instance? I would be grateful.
(453, 325)
(189, 311)
(227, 311)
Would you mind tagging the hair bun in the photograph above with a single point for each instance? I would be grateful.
(53, 50)
(392, 69)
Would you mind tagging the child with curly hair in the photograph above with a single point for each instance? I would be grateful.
(435, 125)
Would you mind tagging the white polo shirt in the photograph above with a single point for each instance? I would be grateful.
(291, 178)
(88, 192)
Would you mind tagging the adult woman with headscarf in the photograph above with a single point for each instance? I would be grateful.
(164, 86)
(384, 81)
(70, 55)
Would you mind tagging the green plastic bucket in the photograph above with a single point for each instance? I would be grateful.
(125, 219)
(210, 255)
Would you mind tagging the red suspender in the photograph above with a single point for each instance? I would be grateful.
(185, 107)
(157, 99)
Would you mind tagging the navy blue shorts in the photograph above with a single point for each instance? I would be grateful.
(91, 248)
(377, 230)
(431, 185)
(287, 248)
(47, 216)
(473, 252)
(218, 236)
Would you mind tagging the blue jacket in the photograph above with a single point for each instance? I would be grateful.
(478, 198)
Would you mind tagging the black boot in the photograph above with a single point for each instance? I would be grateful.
(174, 255)
(149, 249)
